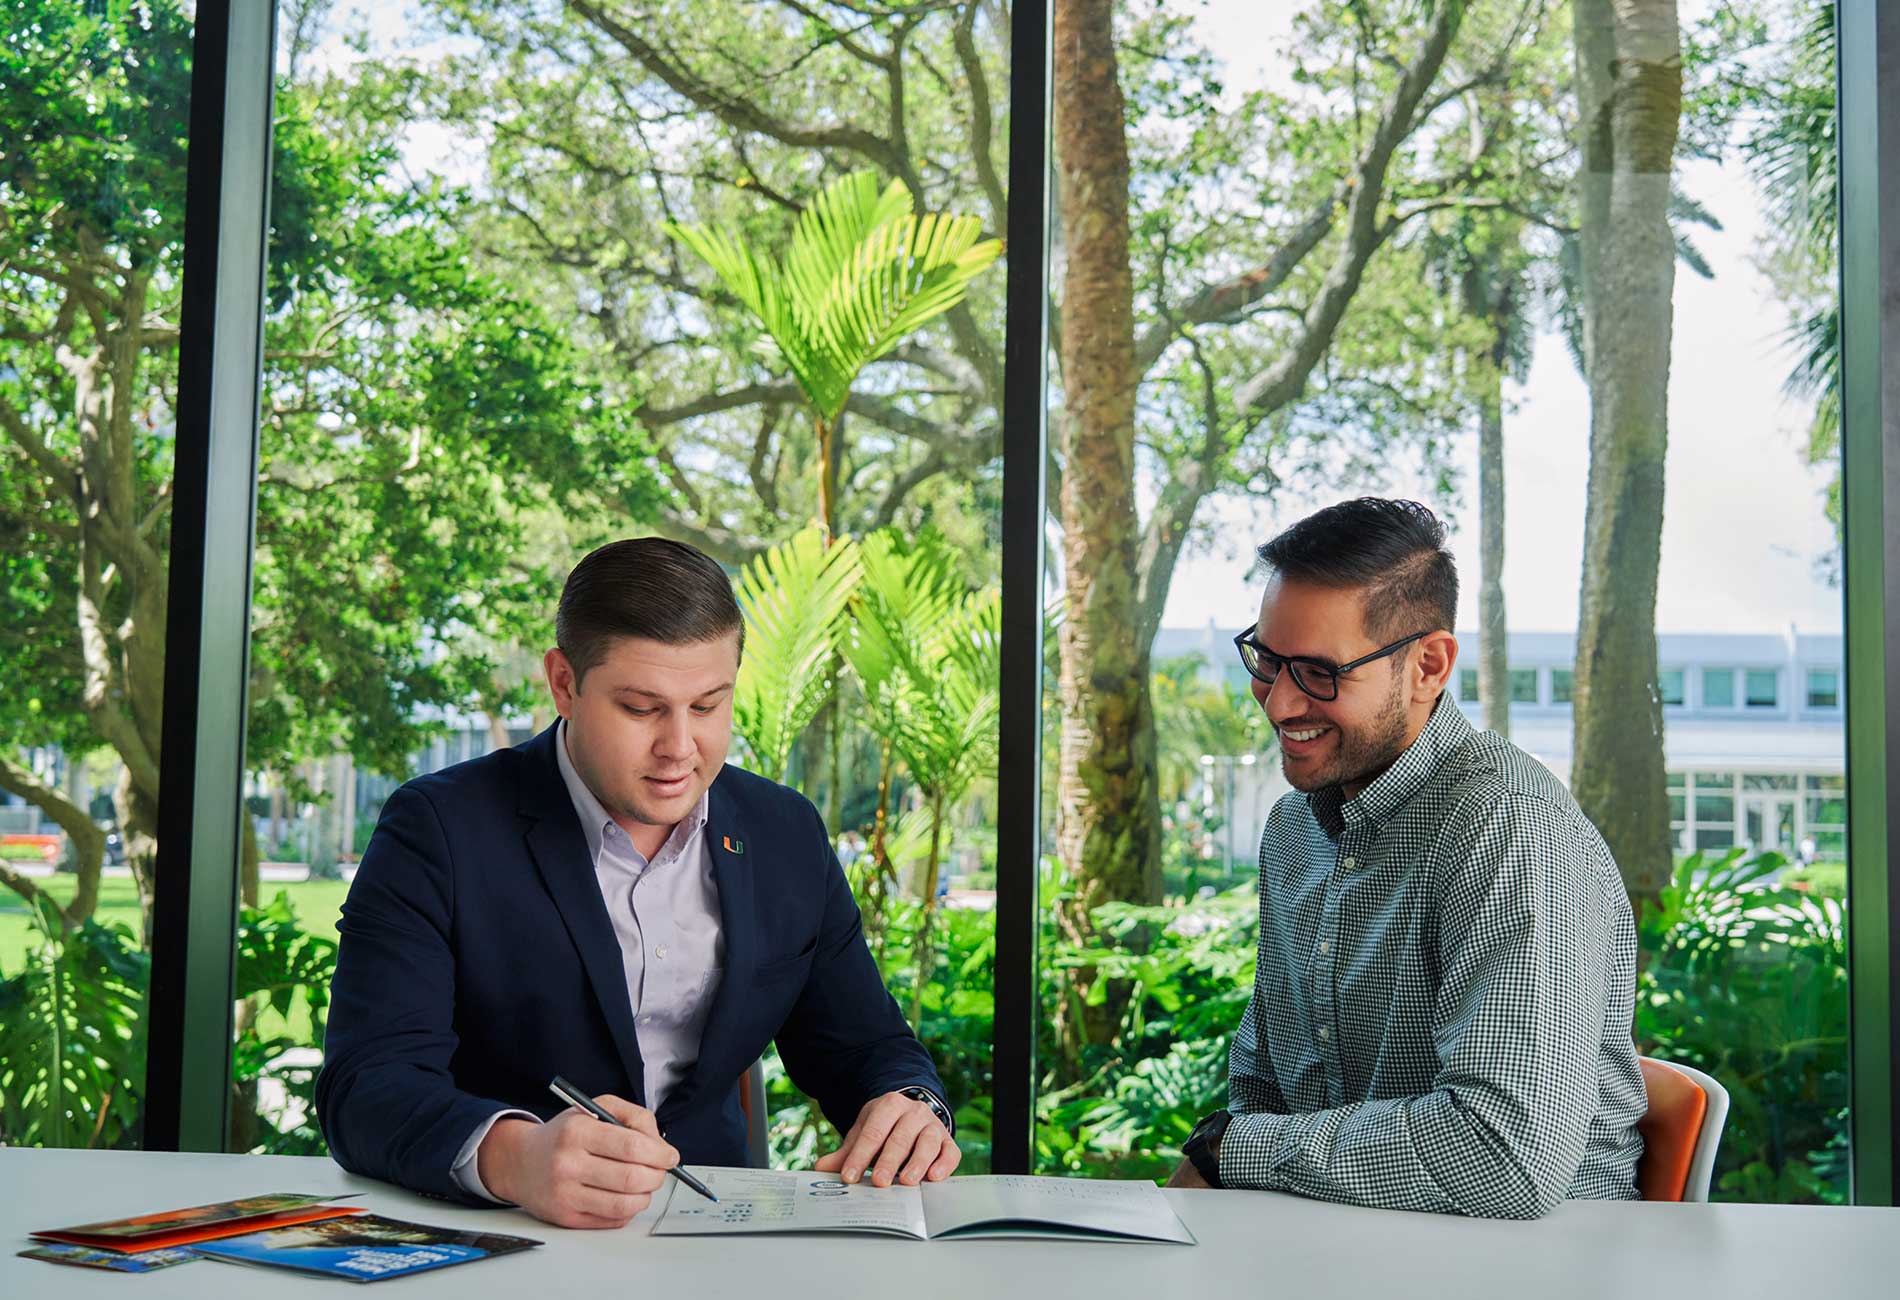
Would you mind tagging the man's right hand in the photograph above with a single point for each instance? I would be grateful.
(574, 1171)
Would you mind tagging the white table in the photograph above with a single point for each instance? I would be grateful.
(1253, 1245)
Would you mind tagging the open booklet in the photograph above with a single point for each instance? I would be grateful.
(997, 1205)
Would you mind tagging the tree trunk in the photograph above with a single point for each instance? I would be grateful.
(1629, 79)
(926, 949)
(1109, 816)
(1488, 296)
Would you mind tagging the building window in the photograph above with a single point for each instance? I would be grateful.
(1824, 688)
(1523, 686)
(1670, 682)
(1468, 685)
(1762, 692)
(1718, 688)
(1562, 683)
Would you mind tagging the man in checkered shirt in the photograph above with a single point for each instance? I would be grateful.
(1441, 1013)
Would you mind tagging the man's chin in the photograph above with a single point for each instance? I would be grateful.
(1306, 777)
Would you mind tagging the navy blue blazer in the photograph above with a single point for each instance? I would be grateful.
(477, 961)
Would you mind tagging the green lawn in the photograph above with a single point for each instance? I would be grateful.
(317, 903)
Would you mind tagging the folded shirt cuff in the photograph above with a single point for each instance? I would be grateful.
(463, 1170)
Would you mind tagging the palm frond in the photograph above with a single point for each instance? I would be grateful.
(794, 599)
(863, 271)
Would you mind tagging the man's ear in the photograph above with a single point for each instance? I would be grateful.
(563, 685)
(1434, 660)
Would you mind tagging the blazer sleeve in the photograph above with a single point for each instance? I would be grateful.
(386, 1101)
(845, 1042)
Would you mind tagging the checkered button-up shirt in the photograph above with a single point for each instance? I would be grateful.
(1441, 1012)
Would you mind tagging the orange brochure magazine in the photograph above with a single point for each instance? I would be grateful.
(165, 1229)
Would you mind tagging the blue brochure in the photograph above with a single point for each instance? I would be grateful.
(363, 1248)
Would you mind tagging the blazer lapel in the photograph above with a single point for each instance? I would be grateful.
(559, 850)
(734, 860)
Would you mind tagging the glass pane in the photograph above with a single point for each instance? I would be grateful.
(94, 108)
(1761, 689)
(1523, 686)
(1769, 781)
(503, 335)
(1201, 152)
(1562, 682)
(1824, 688)
(1718, 688)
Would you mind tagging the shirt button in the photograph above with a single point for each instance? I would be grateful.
(1350, 863)
(660, 952)
(647, 1020)
(1324, 1033)
(1324, 947)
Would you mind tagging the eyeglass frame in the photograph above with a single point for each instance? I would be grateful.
(1246, 640)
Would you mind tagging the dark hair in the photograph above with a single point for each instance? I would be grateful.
(1394, 551)
(646, 587)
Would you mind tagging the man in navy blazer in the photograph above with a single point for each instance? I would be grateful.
(612, 903)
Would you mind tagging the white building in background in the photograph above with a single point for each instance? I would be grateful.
(1754, 732)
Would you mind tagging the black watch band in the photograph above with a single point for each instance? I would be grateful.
(937, 1108)
(1200, 1148)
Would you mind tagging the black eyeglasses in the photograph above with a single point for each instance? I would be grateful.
(1319, 680)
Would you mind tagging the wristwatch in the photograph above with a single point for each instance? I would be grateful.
(937, 1108)
(1202, 1145)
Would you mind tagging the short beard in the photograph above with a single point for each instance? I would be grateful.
(1363, 755)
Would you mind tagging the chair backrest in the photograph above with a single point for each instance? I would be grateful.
(752, 1102)
(1681, 1131)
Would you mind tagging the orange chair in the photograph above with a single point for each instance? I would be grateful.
(1681, 1131)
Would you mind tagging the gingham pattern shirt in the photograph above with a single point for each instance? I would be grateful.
(1441, 1013)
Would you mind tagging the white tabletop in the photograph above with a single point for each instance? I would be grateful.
(1252, 1244)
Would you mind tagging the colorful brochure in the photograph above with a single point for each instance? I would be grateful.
(364, 1248)
(168, 1228)
(145, 1261)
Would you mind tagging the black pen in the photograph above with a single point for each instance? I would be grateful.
(579, 1100)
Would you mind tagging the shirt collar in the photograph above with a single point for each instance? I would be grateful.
(595, 819)
(1373, 806)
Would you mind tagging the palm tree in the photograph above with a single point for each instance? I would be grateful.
(925, 652)
(864, 270)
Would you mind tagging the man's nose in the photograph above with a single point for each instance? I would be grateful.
(1284, 699)
(676, 737)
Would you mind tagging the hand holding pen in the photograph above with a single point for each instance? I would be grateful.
(574, 1171)
(579, 1100)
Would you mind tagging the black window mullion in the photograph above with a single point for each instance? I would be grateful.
(1869, 134)
(207, 646)
(1025, 417)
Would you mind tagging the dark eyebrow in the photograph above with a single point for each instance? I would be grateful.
(708, 694)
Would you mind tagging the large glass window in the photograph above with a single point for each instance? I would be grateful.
(1228, 357)
(502, 333)
(94, 106)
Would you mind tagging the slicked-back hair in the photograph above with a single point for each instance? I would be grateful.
(1392, 551)
(645, 587)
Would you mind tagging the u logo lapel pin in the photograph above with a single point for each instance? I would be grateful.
(734, 847)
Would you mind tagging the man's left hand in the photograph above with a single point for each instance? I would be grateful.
(896, 1139)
